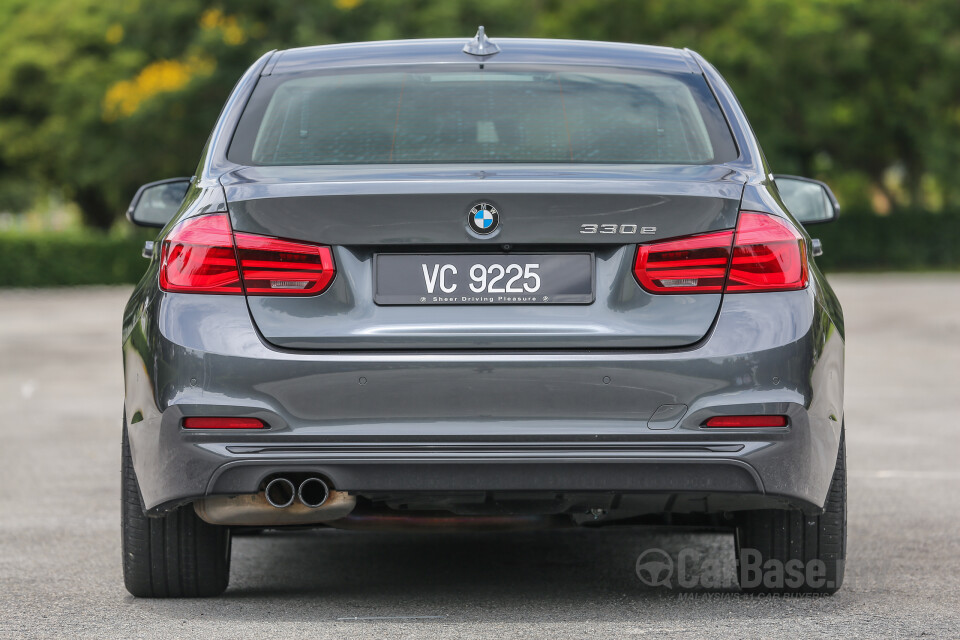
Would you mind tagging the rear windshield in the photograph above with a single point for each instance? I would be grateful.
(473, 115)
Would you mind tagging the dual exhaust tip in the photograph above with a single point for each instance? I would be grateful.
(312, 492)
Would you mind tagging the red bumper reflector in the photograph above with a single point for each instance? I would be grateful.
(223, 423)
(746, 421)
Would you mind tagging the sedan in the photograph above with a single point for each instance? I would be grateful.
(483, 284)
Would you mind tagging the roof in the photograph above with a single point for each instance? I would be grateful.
(513, 51)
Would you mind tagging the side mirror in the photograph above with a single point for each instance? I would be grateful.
(155, 203)
(809, 201)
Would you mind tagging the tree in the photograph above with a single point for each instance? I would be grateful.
(866, 84)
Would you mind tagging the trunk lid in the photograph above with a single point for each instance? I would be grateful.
(363, 211)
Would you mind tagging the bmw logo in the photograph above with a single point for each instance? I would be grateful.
(484, 218)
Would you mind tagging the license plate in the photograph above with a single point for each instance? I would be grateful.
(554, 278)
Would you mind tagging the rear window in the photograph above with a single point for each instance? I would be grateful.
(473, 115)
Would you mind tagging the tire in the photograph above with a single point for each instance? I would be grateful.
(177, 555)
(816, 546)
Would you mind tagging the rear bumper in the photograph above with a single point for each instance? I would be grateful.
(431, 422)
(554, 467)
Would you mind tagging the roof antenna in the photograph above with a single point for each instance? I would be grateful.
(481, 45)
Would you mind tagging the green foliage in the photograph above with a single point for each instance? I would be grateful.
(99, 96)
(910, 240)
(44, 260)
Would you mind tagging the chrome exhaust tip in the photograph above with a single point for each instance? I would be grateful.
(313, 492)
(280, 493)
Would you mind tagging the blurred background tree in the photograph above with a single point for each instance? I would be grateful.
(99, 96)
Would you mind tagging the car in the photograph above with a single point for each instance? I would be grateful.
(486, 284)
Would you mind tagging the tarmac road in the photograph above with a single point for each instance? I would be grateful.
(60, 405)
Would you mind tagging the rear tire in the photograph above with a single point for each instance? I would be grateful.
(177, 555)
(772, 541)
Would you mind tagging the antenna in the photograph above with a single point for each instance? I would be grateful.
(481, 45)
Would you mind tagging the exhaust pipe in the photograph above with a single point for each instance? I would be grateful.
(313, 492)
(277, 505)
(280, 493)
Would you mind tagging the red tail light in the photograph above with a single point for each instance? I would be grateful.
(767, 255)
(198, 256)
(281, 267)
(746, 421)
(696, 264)
(223, 423)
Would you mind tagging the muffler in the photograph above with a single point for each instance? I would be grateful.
(277, 505)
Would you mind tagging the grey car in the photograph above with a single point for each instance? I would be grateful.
(482, 284)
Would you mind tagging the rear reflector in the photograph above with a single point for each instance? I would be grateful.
(746, 421)
(223, 423)
(765, 253)
(198, 256)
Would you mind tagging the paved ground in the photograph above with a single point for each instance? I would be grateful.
(60, 395)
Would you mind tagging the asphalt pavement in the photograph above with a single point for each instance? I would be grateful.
(60, 406)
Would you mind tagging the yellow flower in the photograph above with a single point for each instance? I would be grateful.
(114, 34)
(233, 34)
(123, 98)
(211, 19)
(346, 5)
(231, 31)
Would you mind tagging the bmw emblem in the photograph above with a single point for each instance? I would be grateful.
(484, 218)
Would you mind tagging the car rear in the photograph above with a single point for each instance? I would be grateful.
(489, 292)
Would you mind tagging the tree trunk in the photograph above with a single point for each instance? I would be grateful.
(94, 208)
(876, 178)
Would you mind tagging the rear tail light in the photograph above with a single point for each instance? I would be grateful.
(198, 256)
(696, 264)
(223, 423)
(769, 255)
(764, 254)
(746, 421)
(281, 267)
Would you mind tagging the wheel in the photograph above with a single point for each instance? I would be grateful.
(785, 551)
(177, 555)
